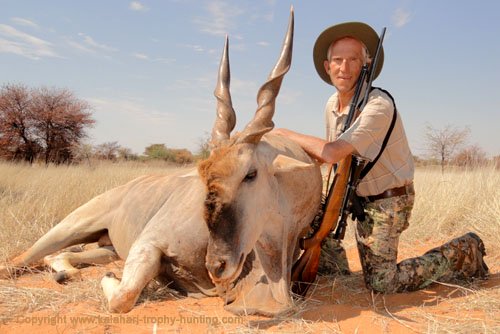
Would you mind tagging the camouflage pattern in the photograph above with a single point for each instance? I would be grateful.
(377, 240)
(333, 258)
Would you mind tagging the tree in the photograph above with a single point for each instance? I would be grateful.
(125, 153)
(41, 122)
(160, 151)
(18, 140)
(157, 151)
(83, 151)
(60, 121)
(181, 156)
(204, 146)
(442, 143)
(107, 151)
(471, 156)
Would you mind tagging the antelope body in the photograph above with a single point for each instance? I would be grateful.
(229, 228)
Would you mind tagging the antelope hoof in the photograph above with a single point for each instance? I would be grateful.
(110, 274)
(61, 277)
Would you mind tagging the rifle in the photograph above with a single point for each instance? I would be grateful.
(341, 196)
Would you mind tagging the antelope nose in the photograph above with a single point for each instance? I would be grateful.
(216, 268)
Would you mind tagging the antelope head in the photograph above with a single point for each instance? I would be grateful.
(241, 189)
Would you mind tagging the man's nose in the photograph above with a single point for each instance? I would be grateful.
(344, 65)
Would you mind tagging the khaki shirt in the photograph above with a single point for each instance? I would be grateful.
(395, 166)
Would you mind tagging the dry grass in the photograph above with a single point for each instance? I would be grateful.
(449, 205)
(34, 198)
(464, 314)
(21, 300)
(456, 202)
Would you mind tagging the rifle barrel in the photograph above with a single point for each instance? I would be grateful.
(374, 64)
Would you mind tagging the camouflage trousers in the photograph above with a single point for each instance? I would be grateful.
(378, 238)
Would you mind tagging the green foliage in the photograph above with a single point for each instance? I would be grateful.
(161, 152)
(157, 151)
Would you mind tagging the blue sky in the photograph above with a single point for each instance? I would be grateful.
(148, 68)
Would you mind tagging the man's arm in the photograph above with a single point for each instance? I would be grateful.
(320, 149)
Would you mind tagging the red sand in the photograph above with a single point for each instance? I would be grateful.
(336, 305)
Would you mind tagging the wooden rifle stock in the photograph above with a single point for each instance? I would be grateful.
(305, 269)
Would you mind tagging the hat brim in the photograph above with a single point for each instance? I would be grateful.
(357, 30)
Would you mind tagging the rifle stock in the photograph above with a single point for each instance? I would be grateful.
(334, 203)
(304, 271)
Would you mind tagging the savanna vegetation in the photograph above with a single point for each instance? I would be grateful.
(34, 197)
(47, 170)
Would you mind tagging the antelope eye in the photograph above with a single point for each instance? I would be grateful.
(250, 176)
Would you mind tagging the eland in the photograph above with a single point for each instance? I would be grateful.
(228, 228)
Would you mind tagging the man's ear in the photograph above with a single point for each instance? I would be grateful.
(369, 61)
(326, 63)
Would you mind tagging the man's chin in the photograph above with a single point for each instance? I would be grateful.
(343, 88)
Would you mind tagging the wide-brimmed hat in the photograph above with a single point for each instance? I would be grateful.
(358, 30)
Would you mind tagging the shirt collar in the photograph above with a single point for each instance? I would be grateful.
(334, 102)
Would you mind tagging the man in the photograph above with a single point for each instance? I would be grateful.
(339, 54)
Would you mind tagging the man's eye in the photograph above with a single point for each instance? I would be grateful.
(250, 176)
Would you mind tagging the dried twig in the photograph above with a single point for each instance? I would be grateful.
(396, 319)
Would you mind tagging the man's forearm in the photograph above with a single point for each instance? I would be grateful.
(317, 148)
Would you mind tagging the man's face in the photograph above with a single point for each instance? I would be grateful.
(345, 63)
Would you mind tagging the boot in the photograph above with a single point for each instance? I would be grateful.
(466, 254)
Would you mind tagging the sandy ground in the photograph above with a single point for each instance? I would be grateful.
(335, 305)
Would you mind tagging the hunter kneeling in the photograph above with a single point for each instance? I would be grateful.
(363, 125)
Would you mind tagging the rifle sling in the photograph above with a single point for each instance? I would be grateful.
(369, 165)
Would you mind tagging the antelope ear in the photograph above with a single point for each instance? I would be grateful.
(253, 136)
(285, 164)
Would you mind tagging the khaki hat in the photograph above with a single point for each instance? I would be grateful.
(358, 30)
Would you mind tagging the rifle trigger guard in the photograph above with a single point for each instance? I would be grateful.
(301, 243)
